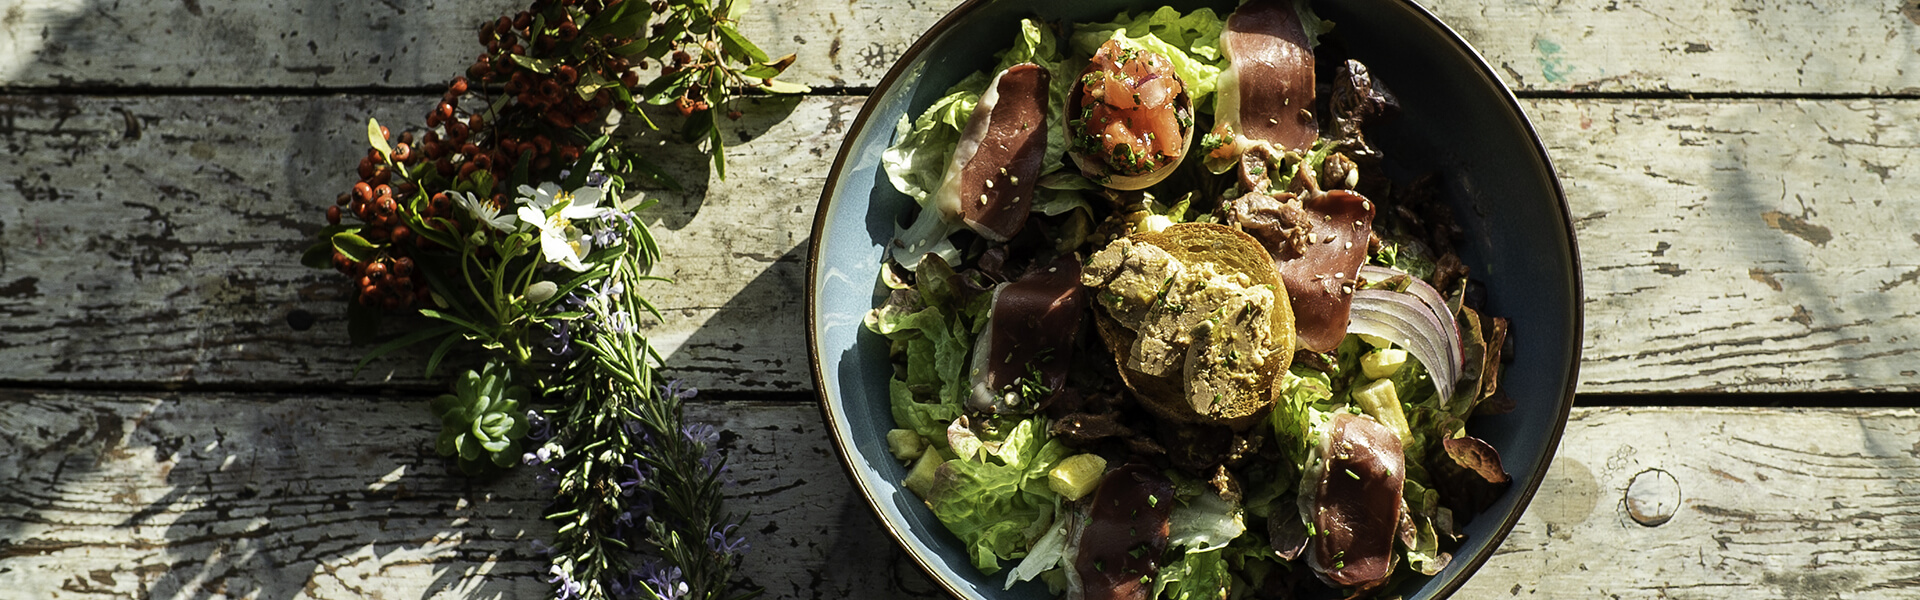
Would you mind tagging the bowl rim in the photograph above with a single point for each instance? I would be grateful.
(953, 17)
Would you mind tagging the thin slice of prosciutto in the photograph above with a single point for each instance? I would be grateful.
(989, 183)
(1356, 503)
(1266, 92)
(1030, 330)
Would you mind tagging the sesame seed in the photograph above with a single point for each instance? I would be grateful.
(1349, 245)
(983, 198)
(989, 184)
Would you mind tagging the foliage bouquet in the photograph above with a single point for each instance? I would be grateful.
(507, 222)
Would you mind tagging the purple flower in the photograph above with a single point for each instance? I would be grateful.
(559, 339)
(638, 431)
(539, 456)
(679, 389)
(664, 580)
(701, 433)
(627, 484)
(723, 540)
(565, 588)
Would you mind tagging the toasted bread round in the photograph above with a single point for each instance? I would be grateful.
(1230, 251)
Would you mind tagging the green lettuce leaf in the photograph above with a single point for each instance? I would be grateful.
(936, 326)
(1195, 576)
(917, 160)
(998, 503)
(1306, 396)
(1208, 522)
(1191, 41)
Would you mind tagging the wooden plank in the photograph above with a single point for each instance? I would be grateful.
(131, 495)
(137, 496)
(1737, 246)
(328, 44)
(1772, 503)
(1682, 46)
(1771, 46)
(1753, 246)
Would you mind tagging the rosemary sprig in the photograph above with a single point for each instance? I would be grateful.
(638, 503)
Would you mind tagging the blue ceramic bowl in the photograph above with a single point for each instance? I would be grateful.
(1458, 119)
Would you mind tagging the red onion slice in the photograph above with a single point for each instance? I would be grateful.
(1406, 320)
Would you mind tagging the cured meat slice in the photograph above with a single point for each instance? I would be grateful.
(989, 183)
(1266, 92)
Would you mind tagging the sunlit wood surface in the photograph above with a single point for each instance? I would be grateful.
(1741, 175)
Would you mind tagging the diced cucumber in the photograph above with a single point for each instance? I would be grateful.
(905, 444)
(1382, 402)
(1076, 475)
(1382, 363)
(920, 478)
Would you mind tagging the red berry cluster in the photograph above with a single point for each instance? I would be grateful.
(536, 126)
(382, 200)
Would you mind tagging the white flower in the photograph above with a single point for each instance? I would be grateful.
(484, 212)
(553, 212)
(583, 203)
(560, 242)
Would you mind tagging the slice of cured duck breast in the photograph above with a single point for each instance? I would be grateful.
(1266, 92)
(989, 183)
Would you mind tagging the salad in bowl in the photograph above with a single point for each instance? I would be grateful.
(1162, 322)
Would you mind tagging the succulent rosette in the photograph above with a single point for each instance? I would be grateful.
(482, 419)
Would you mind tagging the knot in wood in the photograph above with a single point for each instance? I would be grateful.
(1652, 497)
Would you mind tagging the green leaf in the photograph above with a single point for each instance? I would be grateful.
(664, 90)
(403, 341)
(760, 71)
(378, 141)
(619, 23)
(590, 83)
(669, 35)
(532, 64)
(698, 125)
(736, 8)
(318, 256)
(775, 86)
(597, 272)
(631, 48)
(521, 170)
(357, 248)
(719, 156)
(450, 318)
(433, 362)
(738, 45)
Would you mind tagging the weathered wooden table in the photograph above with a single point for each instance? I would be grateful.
(177, 418)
